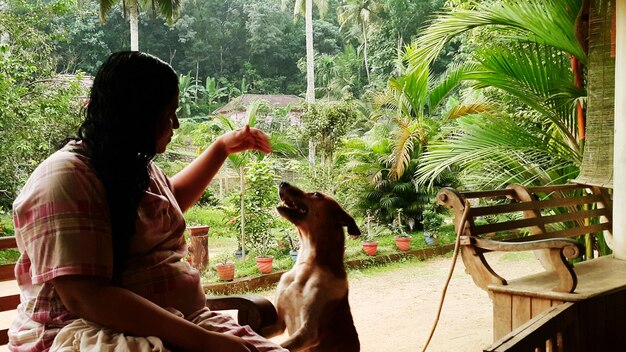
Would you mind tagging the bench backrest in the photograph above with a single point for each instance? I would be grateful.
(545, 212)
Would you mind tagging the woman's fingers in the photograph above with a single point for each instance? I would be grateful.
(246, 138)
(259, 140)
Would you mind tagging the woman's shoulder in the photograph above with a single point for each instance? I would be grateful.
(73, 154)
(67, 172)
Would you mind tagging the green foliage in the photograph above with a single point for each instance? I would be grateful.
(397, 227)
(6, 223)
(327, 123)
(531, 138)
(260, 200)
(38, 109)
(206, 215)
(431, 218)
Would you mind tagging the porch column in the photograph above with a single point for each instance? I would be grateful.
(619, 164)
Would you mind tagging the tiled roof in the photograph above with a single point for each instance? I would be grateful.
(242, 102)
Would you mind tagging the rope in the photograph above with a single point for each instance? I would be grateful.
(445, 287)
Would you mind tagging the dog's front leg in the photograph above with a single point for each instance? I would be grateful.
(275, 329)
(307, 335)
(304, 338)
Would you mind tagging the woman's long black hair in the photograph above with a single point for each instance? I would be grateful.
(129, 93)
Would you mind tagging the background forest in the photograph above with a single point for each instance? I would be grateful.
(409, 95)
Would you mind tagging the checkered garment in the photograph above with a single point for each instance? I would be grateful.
(62, 228)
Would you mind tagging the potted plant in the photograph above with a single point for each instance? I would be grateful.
(263, 259)
(294, 246)
(402, 238)
(432, 221)
(225, 269)
(264, 263)
(369, 244)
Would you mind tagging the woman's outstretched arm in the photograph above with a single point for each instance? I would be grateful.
(189, 183)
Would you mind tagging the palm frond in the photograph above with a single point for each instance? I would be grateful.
(447, 82)
(170, 9)
(411, 92)
(548, 22)
(225, 123)
(105, 7)
(470, 106)
(498, 151)
(536, 75)
(281, 145)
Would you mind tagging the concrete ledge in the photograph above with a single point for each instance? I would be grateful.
(258, 282)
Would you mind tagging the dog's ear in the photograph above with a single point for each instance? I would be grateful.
(349, 222)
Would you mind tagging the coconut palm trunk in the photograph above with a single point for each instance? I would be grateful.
(310, 54)
(310, 69)
(167, 8)
(133, 11)
(367, 68)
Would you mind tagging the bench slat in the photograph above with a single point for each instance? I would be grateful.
(9, 302)
(536, 205)
(8, 242)
(538, 221)
(564, 233)
(4, 337)
(7, 272)
(511, 193)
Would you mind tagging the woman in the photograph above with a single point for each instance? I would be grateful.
(100, 228)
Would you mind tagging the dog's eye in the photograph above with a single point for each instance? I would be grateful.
(315, 194)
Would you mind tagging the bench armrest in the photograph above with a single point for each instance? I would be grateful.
(556, 252)
(253, 310)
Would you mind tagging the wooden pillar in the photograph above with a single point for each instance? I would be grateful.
(199, 251)
(199, 246)
(619, 165)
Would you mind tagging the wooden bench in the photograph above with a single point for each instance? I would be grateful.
(539, 218)
(253, 310)
(547, 220)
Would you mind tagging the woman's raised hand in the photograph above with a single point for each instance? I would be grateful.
(245, 138)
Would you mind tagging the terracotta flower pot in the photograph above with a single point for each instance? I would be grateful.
(370, 248)
(264, 264)
(403, 242)
(226, 272)
(198, 230)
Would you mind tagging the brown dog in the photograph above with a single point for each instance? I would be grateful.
(312, 298)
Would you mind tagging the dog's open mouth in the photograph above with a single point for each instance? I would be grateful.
(291, 209)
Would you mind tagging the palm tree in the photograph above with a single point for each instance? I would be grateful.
(168, 8)
(414, 104)
(525, 61)
(359, 14)
(306, 8)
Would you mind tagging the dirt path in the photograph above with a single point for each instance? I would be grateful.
(395, 309)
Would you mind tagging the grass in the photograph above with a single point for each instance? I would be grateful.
(7, 256)
(220, 246)
(223, 243)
